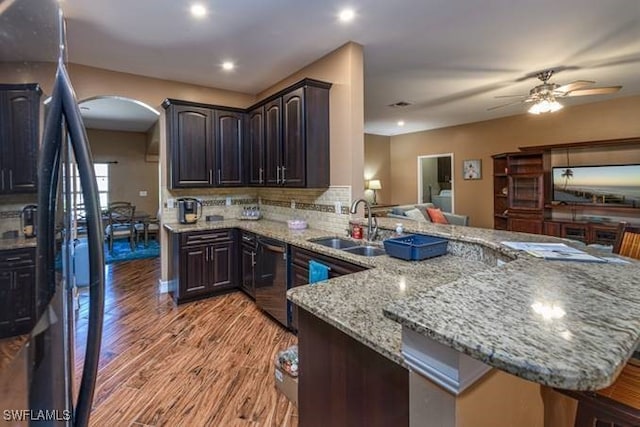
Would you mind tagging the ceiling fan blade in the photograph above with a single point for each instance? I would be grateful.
(594, 91)
(573, 86)
(510, 96)
(505, 105)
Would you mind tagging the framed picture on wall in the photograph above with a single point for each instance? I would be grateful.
(472, 169)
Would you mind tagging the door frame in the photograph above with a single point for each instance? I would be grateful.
(453, 174)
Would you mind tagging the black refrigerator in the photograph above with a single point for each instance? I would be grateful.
(37, 382)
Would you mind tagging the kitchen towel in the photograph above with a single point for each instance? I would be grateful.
(317, 272)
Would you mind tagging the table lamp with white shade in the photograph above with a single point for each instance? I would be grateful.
(374, 185)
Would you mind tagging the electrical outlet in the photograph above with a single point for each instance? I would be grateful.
(293, 204)
(338, 207)
(228, 202)
(143, 193)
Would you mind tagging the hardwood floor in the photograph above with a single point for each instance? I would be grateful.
(207, 363)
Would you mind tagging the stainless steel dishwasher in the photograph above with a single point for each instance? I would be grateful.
(271, 278)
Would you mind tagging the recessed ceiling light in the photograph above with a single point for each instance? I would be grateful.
(198, 10)
(400, 122)
(228, 65)
(346, 15)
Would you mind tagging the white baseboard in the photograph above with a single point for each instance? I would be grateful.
(163, 286)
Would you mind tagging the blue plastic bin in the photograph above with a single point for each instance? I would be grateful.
(415, 247)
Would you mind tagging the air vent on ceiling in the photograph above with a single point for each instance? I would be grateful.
(400, 104)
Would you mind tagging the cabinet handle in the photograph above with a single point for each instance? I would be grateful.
(210, 176)
(219, 176)
(278, 175)
(207, 255)
(2, 173)
(14, 258)
(260, 175)
(247, 239)
(283, 178)
(253, 259)
(10, 179)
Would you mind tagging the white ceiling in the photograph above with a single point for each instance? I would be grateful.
(117, 113)
(449, 58)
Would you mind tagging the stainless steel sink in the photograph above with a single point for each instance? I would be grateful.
(365, 250)
(334, 242)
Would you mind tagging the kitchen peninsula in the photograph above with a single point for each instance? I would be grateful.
(476, 301)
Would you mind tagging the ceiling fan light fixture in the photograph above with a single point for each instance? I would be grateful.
(545, 105)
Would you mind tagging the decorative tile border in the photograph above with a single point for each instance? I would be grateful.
(315, 207)
(10, 214)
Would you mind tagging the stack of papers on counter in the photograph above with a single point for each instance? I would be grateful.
(553, 251)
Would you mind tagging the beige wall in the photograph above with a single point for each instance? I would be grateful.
(377, 164)
(612, 119)
(344, 69)
(90, 82)
(132, 173)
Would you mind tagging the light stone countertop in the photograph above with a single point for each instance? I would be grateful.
(17, 243)
(466, 301)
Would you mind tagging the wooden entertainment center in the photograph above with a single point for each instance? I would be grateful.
(523, 194)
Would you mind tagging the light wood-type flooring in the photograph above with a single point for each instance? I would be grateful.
(206, 363)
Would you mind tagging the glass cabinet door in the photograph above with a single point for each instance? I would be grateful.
(526, 192)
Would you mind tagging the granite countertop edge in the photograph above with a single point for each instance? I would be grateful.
(542, 373)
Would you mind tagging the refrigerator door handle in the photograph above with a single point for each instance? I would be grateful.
(95, 238)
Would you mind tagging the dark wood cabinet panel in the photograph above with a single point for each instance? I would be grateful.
(202, 263)
(551, 228)
(222, 264)
(273, 141)
(300, 272)
(17, 292)
(191, 147)
(255, 152)
(293, 141)
(19, 133)
(344, 383)
(194, 277)
(229, 148)
(523, 225)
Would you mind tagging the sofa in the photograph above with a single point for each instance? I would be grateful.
(400, 212)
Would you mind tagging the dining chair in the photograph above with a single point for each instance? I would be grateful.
(149, 227)
(627, 240)
(120, 223)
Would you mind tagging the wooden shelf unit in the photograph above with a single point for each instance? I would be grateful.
(527, 206)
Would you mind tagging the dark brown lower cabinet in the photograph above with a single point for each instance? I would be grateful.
(300, 272)
(248, 263)
(345, 383)
(17, 291)
(202, 263)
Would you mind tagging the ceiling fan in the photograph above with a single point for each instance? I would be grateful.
(544, 96)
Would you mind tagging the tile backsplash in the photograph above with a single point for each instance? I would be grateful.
(11, 210)
(316, 206)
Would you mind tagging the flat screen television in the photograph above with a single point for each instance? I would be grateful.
(603, 185)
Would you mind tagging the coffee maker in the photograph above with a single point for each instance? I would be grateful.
(28, 219)
(189, 210)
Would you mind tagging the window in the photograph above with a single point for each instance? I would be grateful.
(102, 177)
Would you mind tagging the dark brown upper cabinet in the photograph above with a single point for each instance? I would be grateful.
(190, 151)
(272, 141)
(255, 153)
(284, 142)
(229, 148)
(19, 131)
(296, 136)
